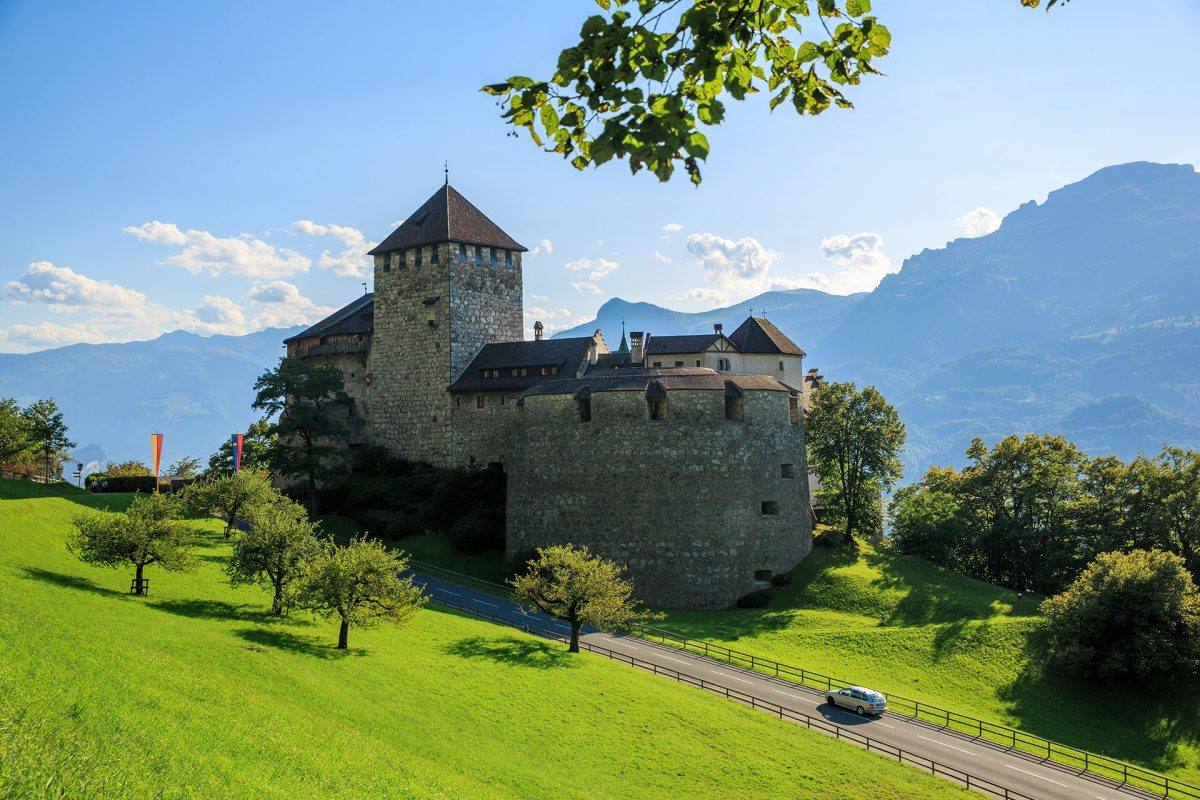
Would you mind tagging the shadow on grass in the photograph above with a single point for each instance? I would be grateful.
(220, 609)
(68, 581)
(1147, 723)
(301, 645)
(515, 652)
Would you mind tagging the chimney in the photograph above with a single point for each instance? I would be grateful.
(635, 347)
(717, 328)
(537, 331)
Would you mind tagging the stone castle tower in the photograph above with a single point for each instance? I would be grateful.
(447, 282)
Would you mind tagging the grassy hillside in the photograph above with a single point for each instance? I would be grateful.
(903, 625)
(193, 692)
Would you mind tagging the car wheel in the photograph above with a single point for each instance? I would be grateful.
(860, 711)
(830, 701)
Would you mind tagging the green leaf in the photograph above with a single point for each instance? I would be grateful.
(856, 8)
(697, 145)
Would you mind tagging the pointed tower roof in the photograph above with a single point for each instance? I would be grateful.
(624, 348)
(446, 217)
(757, 335)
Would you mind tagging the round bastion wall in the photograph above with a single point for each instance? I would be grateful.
(702, 505)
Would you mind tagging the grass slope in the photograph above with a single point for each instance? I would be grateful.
(194, 692)
(903, 625)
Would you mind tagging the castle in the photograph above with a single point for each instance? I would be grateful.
(680, 457)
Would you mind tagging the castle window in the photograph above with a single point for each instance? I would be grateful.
(723, 364)
(793, 409)
(462, 253)
(433, 254)
(478, 256)
(679, 363)
(545, 370)
(492, 256)
(787, 471)
(503, 400)
(524, 372)
(515, 373)
(554, 370)
(770, 508)
(658, 363)
(697, 362)
(657, 406)
(350, 407)
(386, 261)
(584, 406)
(781, 366)
(479, 401)
(508, 262)
(734, 409)
(457, 402)
(417, 256)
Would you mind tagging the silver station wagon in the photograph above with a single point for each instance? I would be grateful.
(859, 699)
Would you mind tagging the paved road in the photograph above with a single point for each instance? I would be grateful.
(1015, 770)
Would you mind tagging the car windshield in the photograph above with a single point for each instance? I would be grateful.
(874, 697)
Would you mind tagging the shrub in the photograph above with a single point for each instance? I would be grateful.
(103, 483)
(1128, 616)
(756, 599)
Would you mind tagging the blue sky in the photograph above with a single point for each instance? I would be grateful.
(221, 166)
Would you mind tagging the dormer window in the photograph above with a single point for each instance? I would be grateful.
(386, 262)
(462, 253)
(492, 256)
(508, 262)
(417, 256)
(478, 256)
(433, 254)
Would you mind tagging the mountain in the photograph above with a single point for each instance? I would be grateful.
(1079, 316)
(195, 390)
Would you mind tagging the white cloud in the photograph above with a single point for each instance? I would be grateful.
(672, 227)
(539, 297)
(597, 269)
(546, 247)
(706, 298)
(979, 221)
(538, 313)
(586, 286)
(47, 334)
(662, 258)
(862, 259)
(216, 315)
(241, 255)
(353, 260)
(63, 289)
(735, 269)
(281, 305)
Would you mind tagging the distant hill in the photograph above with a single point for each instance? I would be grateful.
(1080, 316)
(195, 390)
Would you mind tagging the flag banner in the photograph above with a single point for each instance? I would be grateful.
(156, 442)
(236, 440)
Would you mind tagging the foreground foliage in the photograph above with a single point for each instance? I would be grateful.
(1128, 616)
(199, 692)
(275, 551)
(230, 496)
(645, 75)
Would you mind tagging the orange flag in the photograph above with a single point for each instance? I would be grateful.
(156, 440)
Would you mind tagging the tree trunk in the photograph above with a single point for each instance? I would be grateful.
(312, 495)
(343, 634)
(575, 625)
(277, 602)
(139, 586)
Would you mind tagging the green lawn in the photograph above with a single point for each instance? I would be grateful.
(194, 692)
(902, 625)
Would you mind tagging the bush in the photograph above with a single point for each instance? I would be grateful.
(403, 527)
(1128, 616)
(756, 599)
(102, 482)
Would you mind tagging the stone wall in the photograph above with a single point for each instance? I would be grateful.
(356, 378)
(678, 501)
(483, 435)
(485, 305)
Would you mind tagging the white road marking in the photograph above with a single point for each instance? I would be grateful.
(482, 603)
(884, 724)
(727, 675)
(676, 660)
(798, 697)
(1035, 775)
(944, 744)
(447, 591)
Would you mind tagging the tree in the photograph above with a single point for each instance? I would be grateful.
(48, 432)
(185, 467)
(571, 584)
(1128, 616)
(639, 85)
(275, 550)
(854, 443)
(360, 584)
(148, 532)
(312, 408)
(15, 431)
(258, 450)
(131, 468)
(230, 497)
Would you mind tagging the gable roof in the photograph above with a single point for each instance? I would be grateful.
(447, 216)
(757, 335)
(697, 343)
(506, 356)
(356, 317)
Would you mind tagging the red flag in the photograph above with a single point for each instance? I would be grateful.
(236, 439)
(156, 442)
